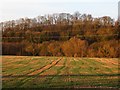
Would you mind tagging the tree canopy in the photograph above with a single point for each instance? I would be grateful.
(62, 34)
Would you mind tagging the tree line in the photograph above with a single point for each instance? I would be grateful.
(62, 34)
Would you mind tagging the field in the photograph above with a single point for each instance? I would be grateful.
(59, 72)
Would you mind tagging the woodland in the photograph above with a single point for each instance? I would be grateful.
(62, 34)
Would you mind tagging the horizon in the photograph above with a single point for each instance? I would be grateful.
(21, 9)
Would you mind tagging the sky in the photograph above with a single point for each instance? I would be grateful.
(15, 9)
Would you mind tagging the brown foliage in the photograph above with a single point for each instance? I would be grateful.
(62, 34)
(74, 47)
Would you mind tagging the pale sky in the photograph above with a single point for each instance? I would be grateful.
(15, 9)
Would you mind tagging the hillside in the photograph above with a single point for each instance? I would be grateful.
(63, 34)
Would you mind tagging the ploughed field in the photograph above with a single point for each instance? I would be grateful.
(59, 72)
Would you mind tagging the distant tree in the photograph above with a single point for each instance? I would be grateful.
(55, 49)
(76, 15)
(74, 47)
(32, 48)
(44, 49)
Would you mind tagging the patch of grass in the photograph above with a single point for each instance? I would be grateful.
(83, 67)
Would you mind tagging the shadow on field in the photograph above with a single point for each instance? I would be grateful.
(64, 82)
(92, 88)
(19, 76)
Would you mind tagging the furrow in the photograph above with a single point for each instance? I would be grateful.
(45, 67)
